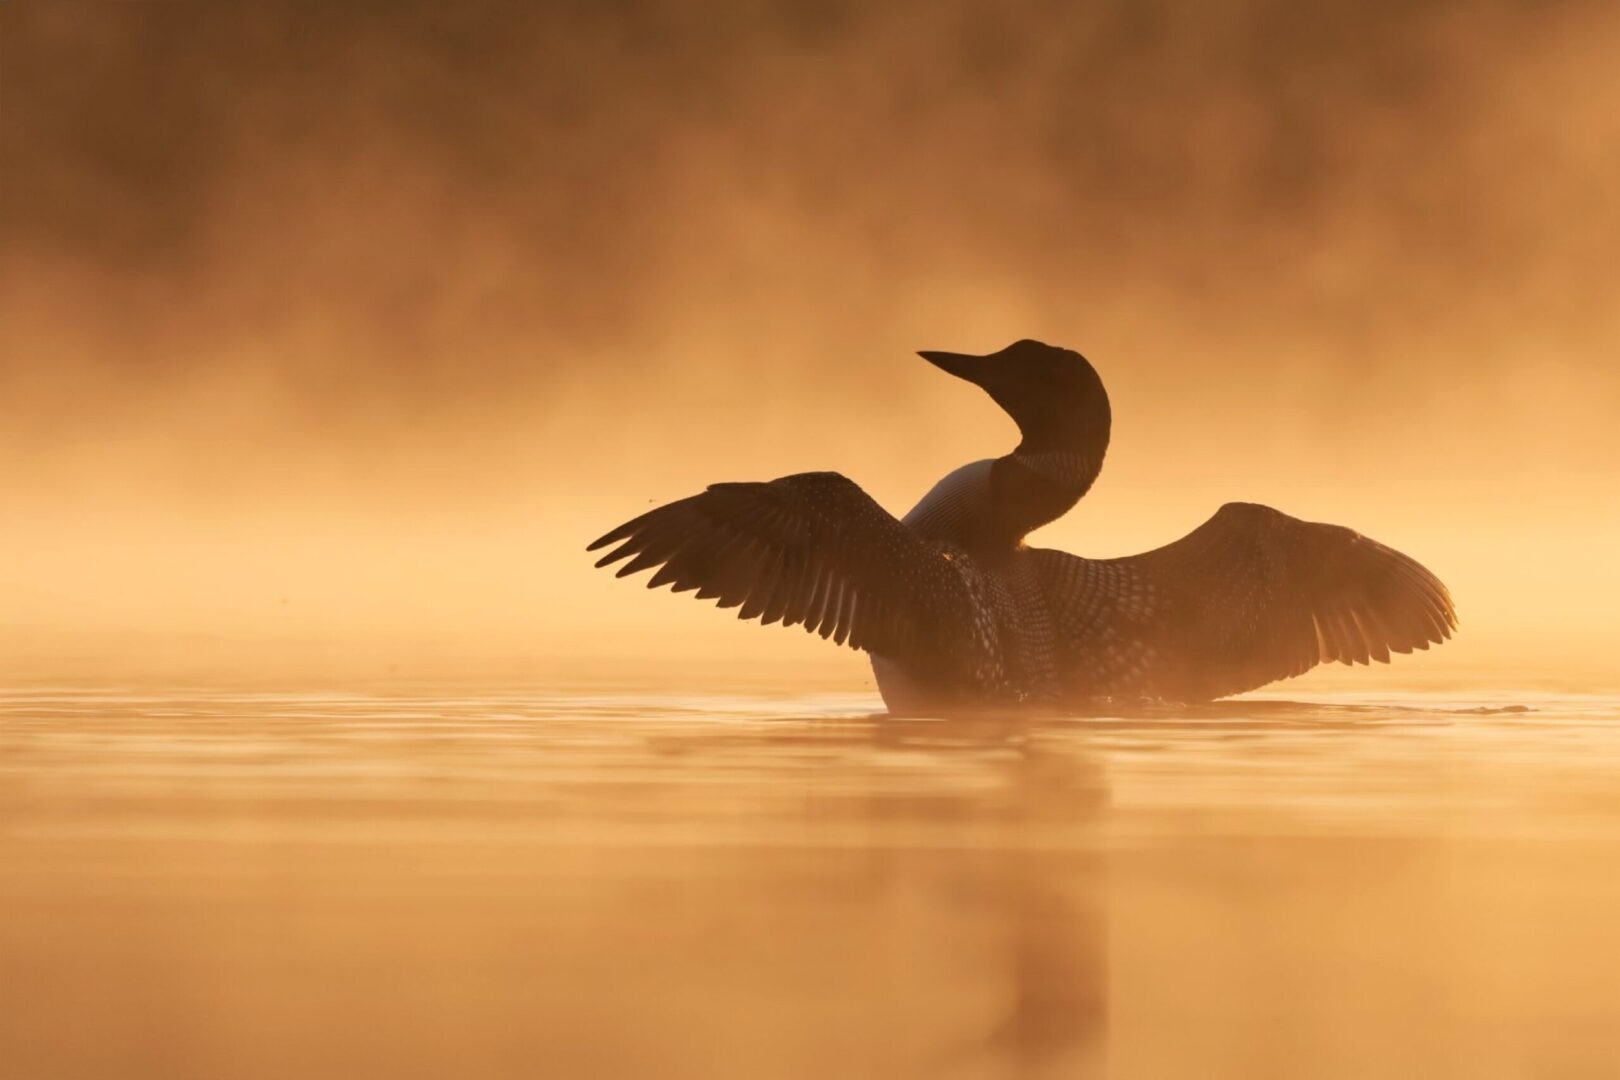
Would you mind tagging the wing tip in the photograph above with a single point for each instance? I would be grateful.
(605, 539)
(613, 556)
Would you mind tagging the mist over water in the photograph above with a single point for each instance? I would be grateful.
(332, 334)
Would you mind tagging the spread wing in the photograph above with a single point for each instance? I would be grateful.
(1250, 596)
(811, 549)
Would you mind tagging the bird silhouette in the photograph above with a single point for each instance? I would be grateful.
(957, 612)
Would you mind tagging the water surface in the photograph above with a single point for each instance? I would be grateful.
(446, 882)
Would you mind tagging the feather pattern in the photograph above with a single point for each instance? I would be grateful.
(1249, 597)
(811, 549)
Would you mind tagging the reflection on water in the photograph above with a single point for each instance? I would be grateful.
(524, 884)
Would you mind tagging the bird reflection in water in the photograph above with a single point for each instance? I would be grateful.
(1024, 863)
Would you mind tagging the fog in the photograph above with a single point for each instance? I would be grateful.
(328, 338)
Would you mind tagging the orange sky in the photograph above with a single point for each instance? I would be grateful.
(331, 336)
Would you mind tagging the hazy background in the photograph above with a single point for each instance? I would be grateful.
(330, 334)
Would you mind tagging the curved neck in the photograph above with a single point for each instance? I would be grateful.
(991, 505)
(1054, 465)
(1029, 488)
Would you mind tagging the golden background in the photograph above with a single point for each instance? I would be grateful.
(330, 334)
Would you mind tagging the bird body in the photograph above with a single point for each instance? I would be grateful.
(957, 612)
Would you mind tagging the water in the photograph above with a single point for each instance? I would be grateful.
(437, 883)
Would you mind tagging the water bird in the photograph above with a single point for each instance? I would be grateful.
(957, 612)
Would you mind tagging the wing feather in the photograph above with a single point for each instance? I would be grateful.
(1250, 596)
(811, 549)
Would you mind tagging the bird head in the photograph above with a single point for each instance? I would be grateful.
(1054, 395)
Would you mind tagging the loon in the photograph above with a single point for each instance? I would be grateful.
(956, 612)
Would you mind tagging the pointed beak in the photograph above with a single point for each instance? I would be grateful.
(962, 365)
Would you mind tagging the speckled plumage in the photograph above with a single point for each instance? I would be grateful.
(957, 612)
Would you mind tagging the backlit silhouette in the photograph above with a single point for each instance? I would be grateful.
(957, 612)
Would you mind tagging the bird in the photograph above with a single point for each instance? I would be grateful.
(958, 613)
